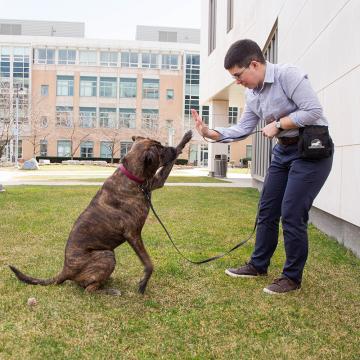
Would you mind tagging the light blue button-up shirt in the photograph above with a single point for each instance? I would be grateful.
(286, 91)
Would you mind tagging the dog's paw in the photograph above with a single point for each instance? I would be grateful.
(185, 139)
(142, 287)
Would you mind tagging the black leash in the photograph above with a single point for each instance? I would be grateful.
(147, 195)
(230, 138)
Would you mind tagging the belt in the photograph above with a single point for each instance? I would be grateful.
(288, 140)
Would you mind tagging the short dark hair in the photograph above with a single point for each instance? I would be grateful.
(242, 52)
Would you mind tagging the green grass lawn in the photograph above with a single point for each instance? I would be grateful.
(188, 312)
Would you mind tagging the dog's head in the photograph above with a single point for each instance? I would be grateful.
(147, 155)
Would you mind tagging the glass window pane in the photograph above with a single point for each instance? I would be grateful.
(88, 86)
(107, 118)
(127, 118)
(151, 88)
(108, 87)
(128, 87)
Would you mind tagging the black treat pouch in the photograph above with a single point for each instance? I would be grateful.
(315, 142)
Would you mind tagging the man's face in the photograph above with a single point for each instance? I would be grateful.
(250, 76)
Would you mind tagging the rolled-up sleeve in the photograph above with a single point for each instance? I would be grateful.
(298, 88)
(243, 128)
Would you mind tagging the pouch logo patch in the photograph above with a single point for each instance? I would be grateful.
(316, 144)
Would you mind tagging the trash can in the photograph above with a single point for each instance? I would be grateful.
(220, 166)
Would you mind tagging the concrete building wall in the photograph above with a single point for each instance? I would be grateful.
(321, 38)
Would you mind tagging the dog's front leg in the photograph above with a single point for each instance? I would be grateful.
(160, 177)
(138, 246)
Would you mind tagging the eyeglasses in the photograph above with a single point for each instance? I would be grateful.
(238, 75)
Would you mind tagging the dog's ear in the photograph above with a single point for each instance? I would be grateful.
(134, 138)
(150, 158)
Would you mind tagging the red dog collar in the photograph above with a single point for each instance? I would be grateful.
(129, 175)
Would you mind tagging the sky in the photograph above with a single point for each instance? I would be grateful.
(107, 19)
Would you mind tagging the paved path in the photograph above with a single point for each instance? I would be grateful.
(46, 178)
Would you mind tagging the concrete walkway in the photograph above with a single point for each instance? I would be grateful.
(13, 177)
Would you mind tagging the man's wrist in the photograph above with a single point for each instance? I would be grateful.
(278, 125)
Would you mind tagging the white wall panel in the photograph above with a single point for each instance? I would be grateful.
(350, 190)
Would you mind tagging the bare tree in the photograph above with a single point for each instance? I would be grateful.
(75, 141)
(8, 114)
(6, 117)
(38, 130)
(112, 142)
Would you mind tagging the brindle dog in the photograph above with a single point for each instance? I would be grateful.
(116, 214)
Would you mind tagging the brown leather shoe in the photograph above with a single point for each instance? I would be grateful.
(281, 285)
(247, 270)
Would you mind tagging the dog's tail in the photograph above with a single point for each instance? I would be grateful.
(33, 281)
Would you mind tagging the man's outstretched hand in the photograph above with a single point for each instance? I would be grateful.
(202, 128)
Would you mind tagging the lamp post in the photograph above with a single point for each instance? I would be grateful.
(18, 88)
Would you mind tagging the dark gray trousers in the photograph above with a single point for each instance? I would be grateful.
(290, 188)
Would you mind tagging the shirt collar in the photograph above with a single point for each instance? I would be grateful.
(268, 78)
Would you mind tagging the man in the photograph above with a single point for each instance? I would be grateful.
(283, 96)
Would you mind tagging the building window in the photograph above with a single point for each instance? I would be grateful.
(151, 88)
(107, 118)
(191, 102)
(149, 60)
(168, 36)
(88, 57)
(108, 58)
(45, 56)
(88, 86)
(87, 149)
(169, 94)
(125, 147)
(262, 145)
(249, 152)
(169, 61)
(108, 87)
(67, 57)
(150, 119)
(65, 85)
(129, 59)
(64, 148)
(205, 114)
(5, 63)
(230, 15)
(106, 148)
(87, 116)
(212, 26)
(271, 48)
(43, 147)
(127, 87)
(127, 118)
(44, 121)
(64, 116)
(233, 115)
(44, 90)
(21, 67)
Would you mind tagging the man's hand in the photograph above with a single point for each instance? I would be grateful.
(270, 130)
(199, 124)
(202, 128)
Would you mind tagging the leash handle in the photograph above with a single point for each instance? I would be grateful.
(148, 198)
